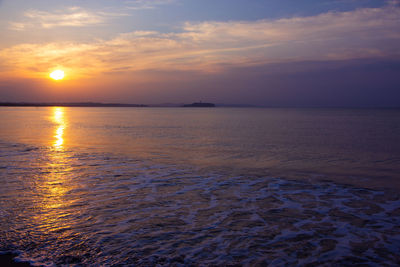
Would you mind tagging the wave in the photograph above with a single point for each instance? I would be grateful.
(66, 207)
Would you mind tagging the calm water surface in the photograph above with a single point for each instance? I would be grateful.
(174, 186)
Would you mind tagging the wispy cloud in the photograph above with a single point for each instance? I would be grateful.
(68, 17)
(211, 46)
(146, 4)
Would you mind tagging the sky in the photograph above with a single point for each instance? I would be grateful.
(277, 53)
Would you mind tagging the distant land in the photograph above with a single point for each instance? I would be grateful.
(96, 104)
(199, 105)
(84, 104)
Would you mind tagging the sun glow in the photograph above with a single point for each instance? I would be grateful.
(57, 75)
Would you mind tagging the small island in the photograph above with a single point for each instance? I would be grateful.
(200, 105)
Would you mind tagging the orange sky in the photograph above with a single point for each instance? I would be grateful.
(151, 64)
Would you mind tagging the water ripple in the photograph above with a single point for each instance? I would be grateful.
(60, 207)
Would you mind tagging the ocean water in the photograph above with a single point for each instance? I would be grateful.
(187, 186)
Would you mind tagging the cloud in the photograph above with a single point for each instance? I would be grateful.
(213, 46)
(146, 4)
(69, 17)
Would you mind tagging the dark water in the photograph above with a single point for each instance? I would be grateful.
(154, 186)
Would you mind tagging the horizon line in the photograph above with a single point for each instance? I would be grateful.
(103, 104)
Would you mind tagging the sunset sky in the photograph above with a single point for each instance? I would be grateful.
(260, 52)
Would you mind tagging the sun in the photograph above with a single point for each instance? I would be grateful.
(57, 75)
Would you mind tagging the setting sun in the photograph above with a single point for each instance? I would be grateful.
(57, 75)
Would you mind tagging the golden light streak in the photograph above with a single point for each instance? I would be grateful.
(54, 182)
(58, 118)
(59, 135)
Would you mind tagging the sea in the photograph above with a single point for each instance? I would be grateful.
(105, 186)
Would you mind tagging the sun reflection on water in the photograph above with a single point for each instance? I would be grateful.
(58, 118)
(54, 181)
